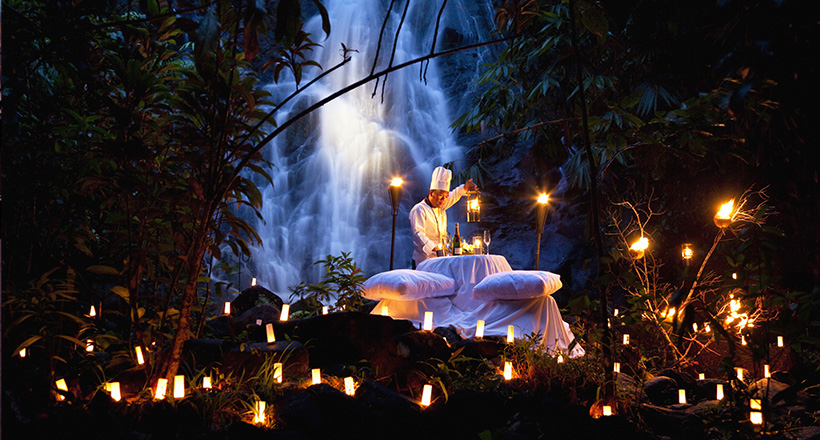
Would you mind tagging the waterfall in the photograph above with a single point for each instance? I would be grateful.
(332, 168)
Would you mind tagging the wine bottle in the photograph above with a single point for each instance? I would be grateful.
(457, 242)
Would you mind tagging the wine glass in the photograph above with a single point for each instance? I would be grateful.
(446, 241)
(487, 242)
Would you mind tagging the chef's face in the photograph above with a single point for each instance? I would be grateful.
(437, 197)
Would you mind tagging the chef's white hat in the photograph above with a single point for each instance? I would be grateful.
(441, 179)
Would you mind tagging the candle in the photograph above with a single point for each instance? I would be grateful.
(89, 345)
(324, 310)
(316, 375)
(719, 392)
(62, 386)
(227, 309)
(780, 341)
(755, 404)
(479, 329)
(350, 387)
(560, 359)
(206, 382)
(253, 281)
(114, 389)
(428, 321)
(259, 412)
(607, 410)
(742, 340)
(766, 372)
(426, 395)
(615, 312)
(23, 353)
(681, 396)
(695, 326)
(510, 334)
(707, 329)
(277, 372)
(162, 388)
(285, 312)
(507, 370)
(138, 352)
(269, 332)
(626, 339)
(179, 386)
(701, 376)
(93, 312)
(385, 310)
(739, 374)
(756, 417)
(616, 367)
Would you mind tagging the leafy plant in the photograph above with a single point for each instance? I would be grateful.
(341, 282)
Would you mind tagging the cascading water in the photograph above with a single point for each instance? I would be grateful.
(333, 167)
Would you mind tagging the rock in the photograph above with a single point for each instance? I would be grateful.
(448, 333)
(480, 348)
(628, 387)
(768, 390)
(220, 327)
(202, 352)
(322, 411)
(253, 296)
(666, 421)
(266, 313)
(248, 359)
(661, 390)
(707, 389)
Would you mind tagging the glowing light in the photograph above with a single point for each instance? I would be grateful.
(742, 340)
(325, 310)
(162, 388)
(638, 248)
(316, 376)
(616, 367)
(707, 329)
(385, 310)
(766, 372)
(259, 412)
(227, 309)
(687, 252)
(285, 312)
(428, 321)
(669, 314)
(755, 404)
(543, 198)
(756, 417)
(396, 182)
(560, 359)
(138, 352)
(253, 281)
(607, 410)
(626, 339)
(681, 396)
(62, 386)
(113, 388)
(93, 312)
(695, 326)
(269, 333)
(277, 372)
(206, 382)
(479, 329)
(89, 345)
(510, 334)
(23, 353)
(426, 394)
(780, 341)
(739, 373)
(350, 386)
(719, 392)
(734, 275)
(507, 370)
(179, 386)
(723, 218)
(615, 312)
(701, 376)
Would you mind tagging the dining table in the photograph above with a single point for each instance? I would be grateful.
(466, 271)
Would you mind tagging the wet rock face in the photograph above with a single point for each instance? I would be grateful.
(661, 390)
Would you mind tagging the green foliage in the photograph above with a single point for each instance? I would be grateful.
(342, 280)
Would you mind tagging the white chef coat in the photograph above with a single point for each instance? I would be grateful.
(429, 224)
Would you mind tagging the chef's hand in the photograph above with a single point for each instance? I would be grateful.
(470, 186)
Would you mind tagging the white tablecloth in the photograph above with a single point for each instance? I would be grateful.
(467, 271)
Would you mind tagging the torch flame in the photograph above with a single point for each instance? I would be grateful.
(543, 198)
(641, 245)
(396, 182)
(726, 209)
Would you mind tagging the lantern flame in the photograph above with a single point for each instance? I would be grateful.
(543, 198)
(396, 182)
(206, 382)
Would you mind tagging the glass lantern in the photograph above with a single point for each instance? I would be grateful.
(473, 207)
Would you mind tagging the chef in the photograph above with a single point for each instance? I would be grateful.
(428, 219)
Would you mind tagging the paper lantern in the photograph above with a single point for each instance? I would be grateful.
(739, 374)
(507, 370)
(428, 321)
(681, 396)
(179, 386)
(23, 353)
(62, 386)
(706, 328)
(615, 312)
(701, 376)
(755, 404)
(350, 386)
(324, 310)
(285, 312)
(616, 367)
(92, 313)
(742, 340)
(259, 412)
(316, 376)
(206, 382)
(89, 345)
(560, 359)
(269, 332)
(258, 322)
(607, 410)
(479, 329)
(277, 372)
(253, 281)
(138, 352)
(756, 417)
(226, 310)
(426, 395)
(113, 388)
(766, 372)
(780, 341)
(385, 310)
(162, 388)
(626, 339)
(510, 334)
(719, 392)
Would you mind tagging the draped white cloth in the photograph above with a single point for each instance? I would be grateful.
(534, 315)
